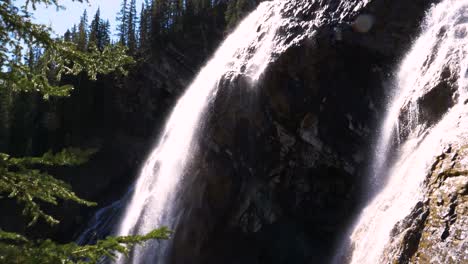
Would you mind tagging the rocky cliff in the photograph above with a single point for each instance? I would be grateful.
(435, 232)
(285, 161)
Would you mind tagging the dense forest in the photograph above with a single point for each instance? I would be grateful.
(66, 102)
(161, 29)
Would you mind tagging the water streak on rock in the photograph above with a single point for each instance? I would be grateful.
(424, 116)
(247, 52)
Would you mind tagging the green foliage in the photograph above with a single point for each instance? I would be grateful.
(144, 28)
(6, 103)
(122, 28)
(17, 249)
(132, 23)
(99, 32)
(82, 39)
(58, 57)
(40, 68)
(63, 59)
(23, 181)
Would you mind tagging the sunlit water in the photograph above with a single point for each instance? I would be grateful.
(441, 46)
(247, 52)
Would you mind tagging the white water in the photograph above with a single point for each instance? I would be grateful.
(444, 38)
(247, 51)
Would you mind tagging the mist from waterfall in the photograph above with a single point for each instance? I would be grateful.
(247, 52)
(408, 143)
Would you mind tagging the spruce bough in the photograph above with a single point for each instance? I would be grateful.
(25, 179)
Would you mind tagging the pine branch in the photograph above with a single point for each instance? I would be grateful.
(25, 251)
(59, 57)
(20, 179)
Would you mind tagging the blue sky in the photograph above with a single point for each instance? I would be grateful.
(62, 20)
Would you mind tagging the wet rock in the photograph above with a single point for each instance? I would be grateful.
(435, 103)
(287, 141)
(297, 145)
(436, 230)
(309, 130)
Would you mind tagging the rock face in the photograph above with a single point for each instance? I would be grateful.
(283, 162)
(281, 171)
(436, 230)
(444, 236)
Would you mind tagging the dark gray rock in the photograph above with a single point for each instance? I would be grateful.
(439, 99)
(287, 174)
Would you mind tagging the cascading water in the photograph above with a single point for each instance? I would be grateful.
(435, 66)
(247, 51)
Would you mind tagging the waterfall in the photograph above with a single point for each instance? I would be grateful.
(414, 132)
(247, 52)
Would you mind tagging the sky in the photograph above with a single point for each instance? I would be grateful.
(62, 20)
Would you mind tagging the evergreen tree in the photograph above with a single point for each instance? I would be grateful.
(94, 30)
(131, 26)
(159, 20)
(82, 39)
(6, 100)
(144, 29)
(176, 13)
(99, 32)
(74, 34)
(104, 36)
(67, 36)
(155, 19)
(122, 27)
(26, 179)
